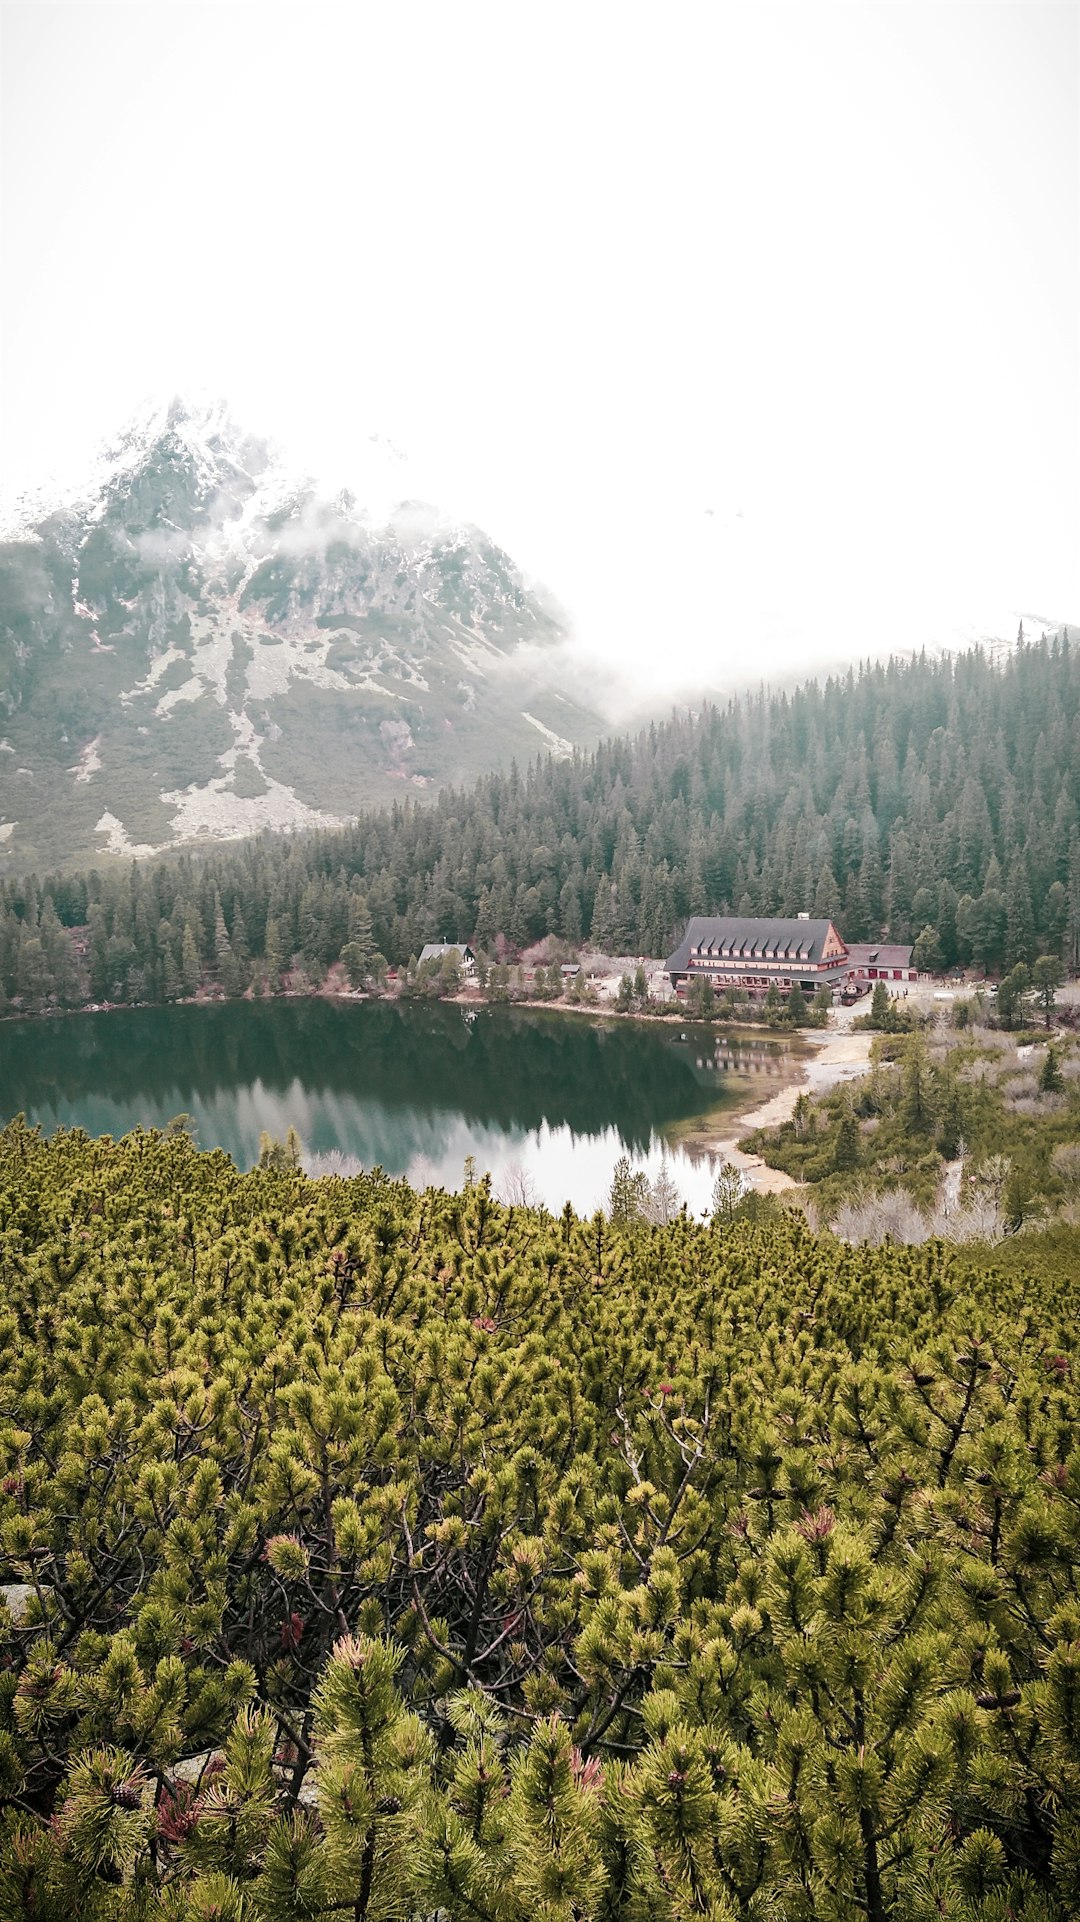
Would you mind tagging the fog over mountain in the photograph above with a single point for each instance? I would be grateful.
(195, 642)
(751, 332)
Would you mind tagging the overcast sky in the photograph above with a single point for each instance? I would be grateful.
(752, 330)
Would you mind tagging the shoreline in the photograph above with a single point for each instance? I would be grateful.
(840, 1056)
(331, 990)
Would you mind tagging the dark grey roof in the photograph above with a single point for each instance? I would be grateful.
(434, 950)
(745, 937)
(881, 954)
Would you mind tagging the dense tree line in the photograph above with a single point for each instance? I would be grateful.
(396, 1556)
(935, 800)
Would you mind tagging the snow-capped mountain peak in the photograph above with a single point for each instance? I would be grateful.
(212, 642)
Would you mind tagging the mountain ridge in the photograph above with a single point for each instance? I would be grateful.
(196, 637)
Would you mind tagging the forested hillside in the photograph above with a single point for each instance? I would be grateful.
(934, 798)
(394, 1555)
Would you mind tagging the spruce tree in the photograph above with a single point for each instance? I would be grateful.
(880, 1006)
(1051, 1080)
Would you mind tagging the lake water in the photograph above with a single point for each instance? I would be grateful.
(549, 1098)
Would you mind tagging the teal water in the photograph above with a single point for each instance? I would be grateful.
(540, 1098)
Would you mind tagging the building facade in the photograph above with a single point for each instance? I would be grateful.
(754, 954)
(886, 961)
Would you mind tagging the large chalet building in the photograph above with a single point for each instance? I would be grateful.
(740, 951)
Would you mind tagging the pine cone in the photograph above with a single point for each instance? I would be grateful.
(1009, 1700)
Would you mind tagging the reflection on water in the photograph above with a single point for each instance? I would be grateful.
(412, 1087)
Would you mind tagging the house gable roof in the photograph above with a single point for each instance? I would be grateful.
(746, 937)
(880, 954)
(434, 950)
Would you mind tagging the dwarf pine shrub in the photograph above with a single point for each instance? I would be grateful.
(385, 1555)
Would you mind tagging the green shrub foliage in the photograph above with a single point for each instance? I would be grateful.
(391, 1556)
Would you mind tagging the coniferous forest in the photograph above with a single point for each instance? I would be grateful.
(935, 800)
(394, 1556)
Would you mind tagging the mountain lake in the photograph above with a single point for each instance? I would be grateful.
(544, 1100)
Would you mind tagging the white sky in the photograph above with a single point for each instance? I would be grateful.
(598, 269)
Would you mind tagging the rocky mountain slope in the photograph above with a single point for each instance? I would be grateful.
(194, 644)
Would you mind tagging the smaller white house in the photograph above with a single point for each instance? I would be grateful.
(463, 954)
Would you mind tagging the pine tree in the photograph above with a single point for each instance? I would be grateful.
(729, 1187)
(359, 950)
(241, 948)
(846, 1153)
(228, 972)
(375, 1758)
(662, 1197)
(702, 998)
(628, 1197)
(1046, 980)
(916, 1102)
(1051, 1080)
(880, 1006)
(796, 1008)
(926, 954)
(276, 954)
(1011, 996)
(826, 903)
(189, 963)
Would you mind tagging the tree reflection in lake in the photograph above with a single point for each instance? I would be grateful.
(414, 1087)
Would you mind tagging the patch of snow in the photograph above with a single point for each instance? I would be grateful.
(472, 647)
(158, 667)
(217, 813)
(89, 761)
(192, 690)
(6, 747)
(7, 829)
(554, 741)
(272, 668)
(119, 842)
(245, 741)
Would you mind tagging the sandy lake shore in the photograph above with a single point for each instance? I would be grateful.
(838, 1056)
